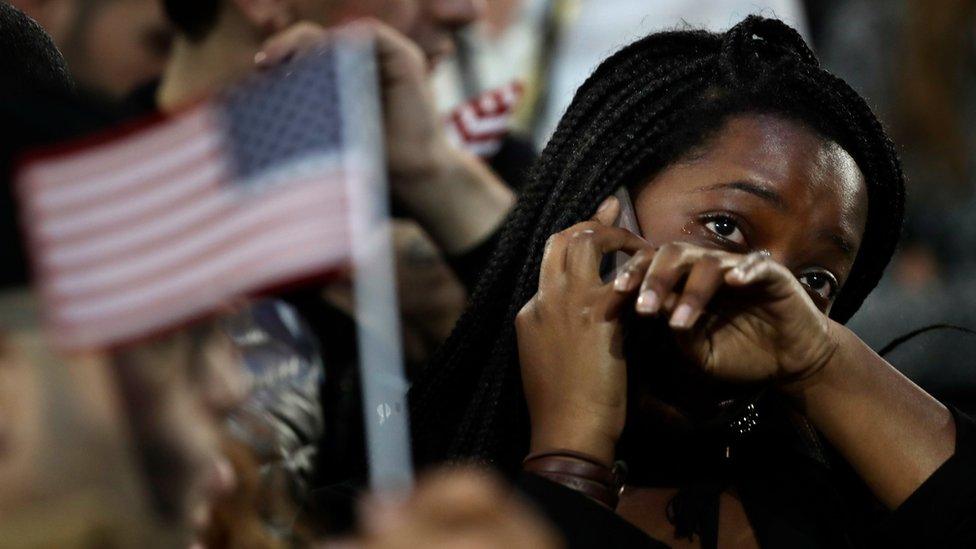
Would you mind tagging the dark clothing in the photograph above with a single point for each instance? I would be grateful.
(802, 504)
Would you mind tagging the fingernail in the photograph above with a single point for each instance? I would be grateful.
(260, 57)
(623, 282)
(682, 316)
(648, 302)
(606, 204)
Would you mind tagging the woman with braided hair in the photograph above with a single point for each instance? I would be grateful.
(767, 201)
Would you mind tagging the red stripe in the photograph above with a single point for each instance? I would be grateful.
(469, 137)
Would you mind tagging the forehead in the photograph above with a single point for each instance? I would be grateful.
(815, 176)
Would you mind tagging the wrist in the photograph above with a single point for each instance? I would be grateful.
(457, 199)
(592, 442)
(580, 472)
(430, 169)
(822, 372)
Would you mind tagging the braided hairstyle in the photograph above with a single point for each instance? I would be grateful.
(642, 109)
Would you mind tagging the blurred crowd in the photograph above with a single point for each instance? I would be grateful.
(231, 433)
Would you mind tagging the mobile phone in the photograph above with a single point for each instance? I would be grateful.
(626, 220)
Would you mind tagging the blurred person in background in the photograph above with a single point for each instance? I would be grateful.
(67, 428)
(67, 473)
(455, 198)
(452, 200)
(914, 61)
(553, 45)
(112, 46)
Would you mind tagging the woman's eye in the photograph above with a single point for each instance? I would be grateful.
(727, 228)
(819, 282)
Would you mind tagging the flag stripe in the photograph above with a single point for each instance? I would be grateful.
(480, 125)
(120, 155)
(236, 224)
(164, 223)
(214, 272)
(101, 245)
(282, 262)
(160, 199)
(135, 178)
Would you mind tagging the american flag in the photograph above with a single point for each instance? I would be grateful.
(481, 124)
(150, 229)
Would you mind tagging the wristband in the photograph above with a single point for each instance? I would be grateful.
(579, 472)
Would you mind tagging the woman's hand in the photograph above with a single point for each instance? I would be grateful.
(740, 318)
(570, 341)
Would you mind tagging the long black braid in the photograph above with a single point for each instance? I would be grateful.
(643, 108)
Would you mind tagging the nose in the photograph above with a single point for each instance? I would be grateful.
(457, 14)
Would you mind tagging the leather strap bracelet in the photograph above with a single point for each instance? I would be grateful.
(580, 472)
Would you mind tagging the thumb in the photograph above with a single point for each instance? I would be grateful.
(608, 212)
(295, 40)
(399, 58)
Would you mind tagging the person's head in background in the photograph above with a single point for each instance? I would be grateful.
(66, 475)
(222, 36)
(65, 425)
(30, 65)
(112, 46)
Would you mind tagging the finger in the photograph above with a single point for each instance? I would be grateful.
(671, 302)
(399, 57)
(704, 280)
(736, 275)
(760, 270)
(608, 212)
(666, 270)
(630, 275)
(295, 40)
(589, 242)
(553, 261)
(756, 267)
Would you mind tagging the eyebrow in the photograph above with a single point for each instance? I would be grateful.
(840, 242)
(764, 193)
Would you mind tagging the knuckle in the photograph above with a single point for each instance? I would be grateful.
(674, 252)
(693, 297)
(552, 241)
(671, 248)
(653, 281)
(584, 235)
(527, 313)
(710, 262)
(643, 255)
